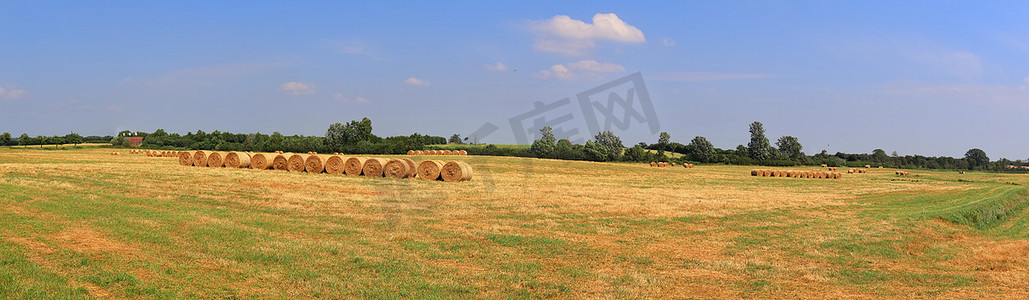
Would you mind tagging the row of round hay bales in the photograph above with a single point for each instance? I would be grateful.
(833, 168)
(902, 173)
(665, 164)
(852, 171)
(437, 152)
(452, 171)
(115, 153)
(160, 153)
(688, 166)
(796, 174)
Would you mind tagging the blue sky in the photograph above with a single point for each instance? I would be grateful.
(916, 77)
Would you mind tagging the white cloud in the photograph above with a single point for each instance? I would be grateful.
(343, 99)
(558, 71)
(710, 76)
(583, 69)
(357, 48)
(416, 82)
(298, 88)
(592, 65)
(968, 92)
(12, 93)
(562, 34)
(496, 67)
(668, 42)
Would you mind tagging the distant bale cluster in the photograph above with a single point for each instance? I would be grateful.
(661, 164)
(437, 152)
(833, 168)
(796, 174)
(902, 173)
(852, 171)
(335, 164)
(156, 153)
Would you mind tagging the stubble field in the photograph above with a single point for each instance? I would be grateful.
(81, 223)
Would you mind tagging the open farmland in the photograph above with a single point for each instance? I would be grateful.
(85, 223)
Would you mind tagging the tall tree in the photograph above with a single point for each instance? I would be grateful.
(879, 155)
(544, 146)
(334, 137)
(24, 139)
(977, 158)
(662, 142)
(758, 146)
(611, 143)
(790, 147)
(5, 139)
(73, 138)
(455, 139)
(701, 150)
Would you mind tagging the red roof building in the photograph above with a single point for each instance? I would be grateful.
(135, 141)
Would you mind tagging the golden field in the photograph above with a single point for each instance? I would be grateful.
(81, 223)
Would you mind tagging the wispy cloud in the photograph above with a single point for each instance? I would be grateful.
(357, 48)
(583, 69)
(667, 42)
(412, 81)
(298, 88)
(343, 99)
(564, 35)
(983, 94)
(206, 76)
(12, 93)
(684, 76)
(499, 66)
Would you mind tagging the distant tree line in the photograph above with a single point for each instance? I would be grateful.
(354, 137)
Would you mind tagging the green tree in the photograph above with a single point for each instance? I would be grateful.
(42, 140)
(701, 149)
(662, 142)
(455, 139)
(635, 154)
(118, 141)
(758, 146)
(611, 144)
(977, 158)
(879, 155)
(790, 147)
(57, 140)
(335, 137)
(73, 138)
(124, 133)
(544, 146)
(5, 139)
(24, 139)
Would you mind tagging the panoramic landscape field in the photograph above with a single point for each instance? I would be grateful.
(79, 223)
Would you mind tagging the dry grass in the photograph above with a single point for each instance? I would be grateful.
(143, 227)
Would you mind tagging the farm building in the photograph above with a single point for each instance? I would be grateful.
(134, 141)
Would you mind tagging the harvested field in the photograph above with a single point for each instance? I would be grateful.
(86, 224)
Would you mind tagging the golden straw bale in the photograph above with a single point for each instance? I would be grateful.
(354, 165)
(200, 158)
(185, 159)
(336, 165)
(456, 171)
(316, 163)
(216, 159)
(237, 160)
(297, 162)
(373, 167)
(430, 169)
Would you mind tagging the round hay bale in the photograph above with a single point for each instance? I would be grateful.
(336, 165)
(789, 173)
(315, 163)
(216, 160)
(354, 165)
(260, 161)
(775, 173)
(237, 160)
(297, 162)
(396, 168)
(374, 167)
(456, 171)
(185, 159)
(753, 172)
(412, 167)
(464, 152)
(430, 169)
(868, 166)
(410, 152)
(448, 152)
(200, 158)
